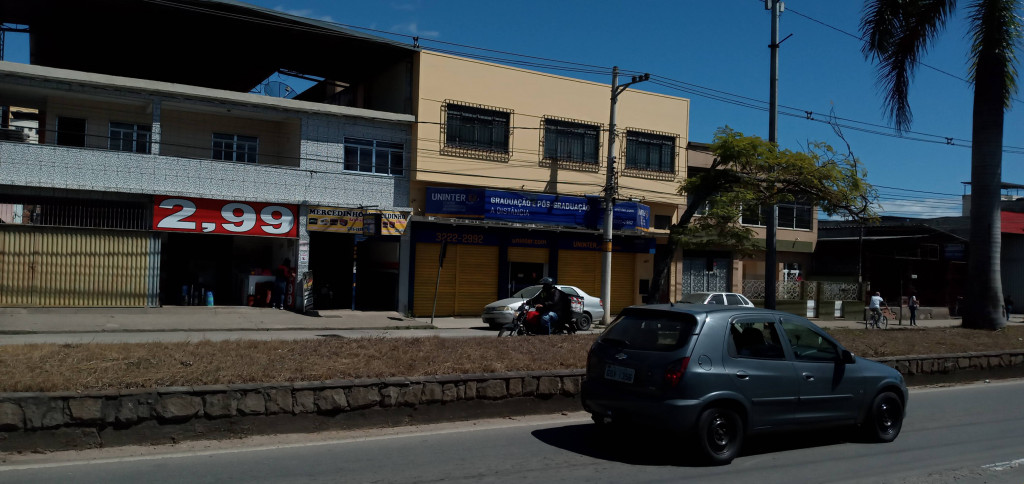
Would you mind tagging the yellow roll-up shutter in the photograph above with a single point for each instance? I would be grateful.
(476, 280)
(623, 280)
(580, 268)
(426, 279)
(73, 268)
(528, 254)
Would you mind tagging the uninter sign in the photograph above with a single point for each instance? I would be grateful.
(539, 208)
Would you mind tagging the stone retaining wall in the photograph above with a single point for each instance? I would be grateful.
(70, 420)
(62, 420)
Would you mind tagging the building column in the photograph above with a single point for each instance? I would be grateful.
(155, 134)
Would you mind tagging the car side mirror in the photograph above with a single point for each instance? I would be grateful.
(848, 357)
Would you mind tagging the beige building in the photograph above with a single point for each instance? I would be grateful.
(796, 235)
(508, 172)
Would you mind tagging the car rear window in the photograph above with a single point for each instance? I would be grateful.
(651, 330)
(734, 300)
(695, 298)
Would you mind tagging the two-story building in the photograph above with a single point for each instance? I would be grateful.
(507, 181)
(721, 270)
(173, 161)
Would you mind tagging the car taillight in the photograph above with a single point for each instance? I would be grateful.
(675, 370)
(593, 363)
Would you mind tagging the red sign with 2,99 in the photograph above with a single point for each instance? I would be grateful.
(223, 217)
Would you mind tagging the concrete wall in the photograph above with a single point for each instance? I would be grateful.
(69, 420)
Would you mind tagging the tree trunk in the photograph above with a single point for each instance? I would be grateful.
(984, 284)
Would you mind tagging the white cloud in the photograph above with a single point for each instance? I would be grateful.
(923, 208)
(413, 29)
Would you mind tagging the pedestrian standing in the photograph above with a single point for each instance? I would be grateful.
(912, 305)
(281, 277)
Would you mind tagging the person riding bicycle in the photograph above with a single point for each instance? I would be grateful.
(875, 306)
(551, 303)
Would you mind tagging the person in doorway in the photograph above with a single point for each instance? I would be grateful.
(281, 275)
(550, 303)
(1007, 306)
(875, 306)
(912, 305)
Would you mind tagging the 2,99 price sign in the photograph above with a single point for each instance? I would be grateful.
(223, 217)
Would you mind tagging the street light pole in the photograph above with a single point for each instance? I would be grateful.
(610, 189)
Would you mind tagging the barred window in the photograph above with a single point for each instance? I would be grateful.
(570, 141)
(130, 137)
(370, 156)
(477, 128)
(650, 152)
(233, 147)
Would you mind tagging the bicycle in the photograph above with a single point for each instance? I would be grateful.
(879, 320)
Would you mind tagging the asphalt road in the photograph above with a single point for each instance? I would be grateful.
(965, 434)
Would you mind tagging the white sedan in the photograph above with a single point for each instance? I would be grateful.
(723, 298)
(499, 313)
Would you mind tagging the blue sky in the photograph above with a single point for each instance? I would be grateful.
(723, 45)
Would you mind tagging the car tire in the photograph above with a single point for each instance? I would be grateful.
(719, 435)
(584, 322)
(884, 419)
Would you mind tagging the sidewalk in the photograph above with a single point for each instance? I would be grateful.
(201, 318)
(244, 318)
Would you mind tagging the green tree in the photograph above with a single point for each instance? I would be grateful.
(897, 33)
(748, 171)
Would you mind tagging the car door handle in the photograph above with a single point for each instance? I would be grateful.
(742, 375)
(808, 377)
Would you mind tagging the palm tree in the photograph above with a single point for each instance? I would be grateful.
(897, 33)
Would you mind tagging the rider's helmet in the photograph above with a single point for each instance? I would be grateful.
(547, 282)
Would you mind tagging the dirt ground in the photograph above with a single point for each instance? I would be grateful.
(97, 366)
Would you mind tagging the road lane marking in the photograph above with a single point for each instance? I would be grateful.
(1002, 466)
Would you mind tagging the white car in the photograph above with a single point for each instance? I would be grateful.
(723, 298)
(499, 313)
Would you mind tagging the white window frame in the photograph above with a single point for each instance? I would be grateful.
(375, 149)
(134, 138)
(235, 147)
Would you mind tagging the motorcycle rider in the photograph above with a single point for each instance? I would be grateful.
(550, 302)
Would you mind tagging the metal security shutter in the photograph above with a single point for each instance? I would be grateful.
(74, 268)
(624, 286)
(528, 254)
(476, 279)
(580, 268)
(426, 278)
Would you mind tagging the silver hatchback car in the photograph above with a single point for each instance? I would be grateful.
(717, 373)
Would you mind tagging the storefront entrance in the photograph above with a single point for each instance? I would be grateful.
(238, 270)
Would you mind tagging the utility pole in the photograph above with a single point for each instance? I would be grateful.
(771, 272)
(610, 189)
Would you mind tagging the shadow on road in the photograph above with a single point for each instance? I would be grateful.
(653, 448)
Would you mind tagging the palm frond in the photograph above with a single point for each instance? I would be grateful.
(897, 34)
(996, 28)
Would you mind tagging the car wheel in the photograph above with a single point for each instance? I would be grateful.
(584, 322)
(719, 435)
(885, 418)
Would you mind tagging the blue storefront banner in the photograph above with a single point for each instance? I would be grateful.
(585, 212)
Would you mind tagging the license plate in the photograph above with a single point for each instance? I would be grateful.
(619, 373)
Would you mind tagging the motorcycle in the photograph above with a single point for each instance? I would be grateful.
(526, 320)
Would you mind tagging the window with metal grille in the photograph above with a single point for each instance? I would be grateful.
(650, 152)
(130, 137)
(477, 128)
(571, 141)
(233, 147)
(370, 156)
